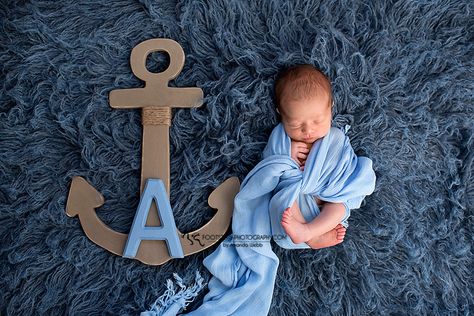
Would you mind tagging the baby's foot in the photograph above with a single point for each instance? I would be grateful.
(331, 238)
(297, 231)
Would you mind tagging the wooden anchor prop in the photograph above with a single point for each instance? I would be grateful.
(155, 100)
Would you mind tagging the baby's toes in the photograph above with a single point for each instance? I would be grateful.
(286, 214)
(341, 232)
(340, 236)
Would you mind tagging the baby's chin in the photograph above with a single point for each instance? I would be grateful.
(312, 141)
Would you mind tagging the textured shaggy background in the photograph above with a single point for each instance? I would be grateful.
(402, 74)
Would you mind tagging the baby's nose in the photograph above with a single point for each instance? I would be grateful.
(306, 130)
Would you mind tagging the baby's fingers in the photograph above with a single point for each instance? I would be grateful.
(301, 155)
(302, 165)
(301, 145)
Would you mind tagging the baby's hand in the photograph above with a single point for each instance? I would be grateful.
(299, 152)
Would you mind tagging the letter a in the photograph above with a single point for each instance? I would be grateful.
(154, 189)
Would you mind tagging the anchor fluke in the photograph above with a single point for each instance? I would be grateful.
(82, 197)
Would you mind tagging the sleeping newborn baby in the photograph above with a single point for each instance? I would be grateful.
(304, 101)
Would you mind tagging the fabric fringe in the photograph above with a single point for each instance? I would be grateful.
(347, 127)
(172, 302)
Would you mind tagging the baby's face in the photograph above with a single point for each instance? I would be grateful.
(306, 120)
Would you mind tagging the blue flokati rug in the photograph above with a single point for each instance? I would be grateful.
(402, 76)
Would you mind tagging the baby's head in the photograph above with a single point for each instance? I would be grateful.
(304, 100)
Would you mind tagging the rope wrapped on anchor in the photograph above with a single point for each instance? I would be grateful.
(156, 116)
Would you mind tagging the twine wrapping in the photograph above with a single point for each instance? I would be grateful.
(156, 116)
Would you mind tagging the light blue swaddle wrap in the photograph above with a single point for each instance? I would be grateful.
(244, 273)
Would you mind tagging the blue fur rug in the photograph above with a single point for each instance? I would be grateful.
(402, 79)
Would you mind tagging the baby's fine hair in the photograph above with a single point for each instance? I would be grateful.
(301, 82)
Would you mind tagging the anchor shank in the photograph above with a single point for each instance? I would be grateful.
(155, 155)
(155, 146)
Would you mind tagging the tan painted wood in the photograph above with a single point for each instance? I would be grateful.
(156, 100)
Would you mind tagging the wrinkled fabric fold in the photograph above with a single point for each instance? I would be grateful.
(244, 269)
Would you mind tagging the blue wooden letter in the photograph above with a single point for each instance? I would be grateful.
(154, 189)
